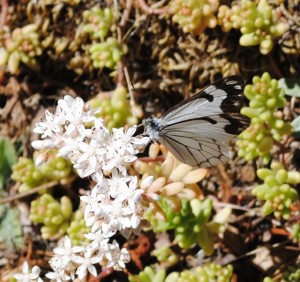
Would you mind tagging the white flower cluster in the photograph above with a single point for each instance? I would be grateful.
(70, 262)
(92, 149)
(115, 202)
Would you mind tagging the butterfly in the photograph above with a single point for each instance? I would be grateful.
(198, 130)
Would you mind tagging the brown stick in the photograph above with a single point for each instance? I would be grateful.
(30, 192)
(4, 6)
(148, 10)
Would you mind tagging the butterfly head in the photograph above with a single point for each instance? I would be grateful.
(152, 128)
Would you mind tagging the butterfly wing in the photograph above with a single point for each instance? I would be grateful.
(198, 130)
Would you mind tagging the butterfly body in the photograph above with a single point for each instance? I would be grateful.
(198, 130)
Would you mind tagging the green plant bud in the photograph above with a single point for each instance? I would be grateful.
(267, 208)
(266, 116)
(280, 29)
(271, 103)
(54, 207)
(97, 47)
(101, 33)
(250, 112)
(56, 220)
(285, 214)
(262, 173)
(116, 55)
(205, 212)
(118, 97)
(28, 29)
(13, 62)
(108, 14)
(256, 104)
(214, 227)
(24, 58)
(117, 117)
(265, 159)
(266, 77)
(296, 233)
(184, 242)
(266, 145)
(4, 55)
(273, 194)
(285, 188)
(276, 166)
(279, 124)
(149, 271)
(60, 45)
(281, 176)
(286, 129)
(46, 199)
(246, 29)
(259, 138)
(109, 63)
(260, 191)
(66, 207)
(258, 22)
(293, 177)
(197, 228)
(88, 28)
(292, 194)
(288, 202)
(48, 232)
(249, 39)
(266, 46)
(249, 92)
(205, 241)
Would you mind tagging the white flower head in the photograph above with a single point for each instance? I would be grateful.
(58, 276)
(86, 264)
(116, 257)
(27, 275)
(63, 254)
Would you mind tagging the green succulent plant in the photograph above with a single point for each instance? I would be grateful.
(276, 190)
(53, 215)
(267, 127)
(258, 22)
(29, 175)
(22, 45)
(192, 223)
(194, 15)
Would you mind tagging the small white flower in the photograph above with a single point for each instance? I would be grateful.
(99, 242)
(63, 254)
(49, 127)
(27, 276)
(73, 112)
(141, 141)
(86, 264)
(93, 200)
(69, 146)
(43, 144)
(116, 257)
(117, 184)
(58, 276)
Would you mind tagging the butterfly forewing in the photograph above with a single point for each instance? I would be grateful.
(225, 96)
(198, 130)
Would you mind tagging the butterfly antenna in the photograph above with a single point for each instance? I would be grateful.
(130, 87)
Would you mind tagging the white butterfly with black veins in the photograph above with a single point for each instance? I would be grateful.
(198, 130)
